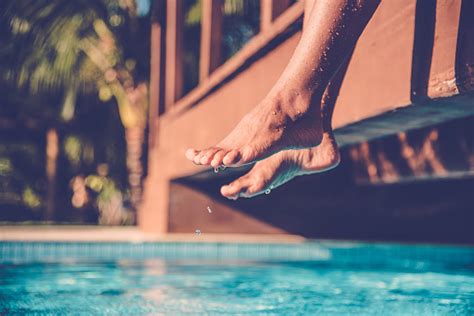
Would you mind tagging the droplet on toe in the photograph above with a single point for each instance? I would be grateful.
(268, 191)
(216, 170)
(209, 209)
(222, 167)
(198, 232)
(274, 113)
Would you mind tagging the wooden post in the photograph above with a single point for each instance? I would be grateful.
(155, 61)
(211, 34)
(270, 10)
(174, 51)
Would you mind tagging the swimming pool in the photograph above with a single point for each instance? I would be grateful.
(172, 278)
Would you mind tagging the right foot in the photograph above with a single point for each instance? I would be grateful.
(282, 167)
(276, 124)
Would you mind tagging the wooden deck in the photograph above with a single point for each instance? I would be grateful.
(412, 68)
(70, 233)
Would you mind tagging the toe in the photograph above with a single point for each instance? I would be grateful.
(234, 189)
(217, 159)
(231, 158)
(198, 156)
(191, 153)
(208, 156)
(257, 188)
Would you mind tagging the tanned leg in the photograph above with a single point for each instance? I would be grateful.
(290, 116)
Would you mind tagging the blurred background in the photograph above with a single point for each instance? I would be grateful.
(73, 104)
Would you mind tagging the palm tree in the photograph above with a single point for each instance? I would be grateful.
(57, 50)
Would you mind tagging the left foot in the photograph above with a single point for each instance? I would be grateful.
(280, 168)
(281, 121)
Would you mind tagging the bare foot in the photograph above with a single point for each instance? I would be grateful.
(277, 123)
(284, 166)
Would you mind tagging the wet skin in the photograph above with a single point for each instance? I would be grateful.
(285, 119)
(288, 123)
(282, 167)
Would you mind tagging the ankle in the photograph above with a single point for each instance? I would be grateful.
(296, 103)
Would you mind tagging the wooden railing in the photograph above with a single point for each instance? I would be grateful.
(166, 92)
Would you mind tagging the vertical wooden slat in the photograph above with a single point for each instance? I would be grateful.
(211, 34)
(442, 79)
(270, 10)
(265, 14)
(174, 51)
(155, 68)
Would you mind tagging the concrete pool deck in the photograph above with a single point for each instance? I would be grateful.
(76, 233)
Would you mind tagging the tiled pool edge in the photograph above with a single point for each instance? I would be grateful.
(20, 251)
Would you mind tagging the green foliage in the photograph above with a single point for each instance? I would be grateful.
(71, 65)
(54, 31)
(66, 49)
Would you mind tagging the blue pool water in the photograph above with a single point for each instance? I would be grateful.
(243, 279)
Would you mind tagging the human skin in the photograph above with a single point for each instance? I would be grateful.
(285, 165)
(290, 117)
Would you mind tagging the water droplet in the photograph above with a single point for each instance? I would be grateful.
(267, 191)
(209, 209)
(216, 170)
(274, 113)
(222, 167)
(198, 232)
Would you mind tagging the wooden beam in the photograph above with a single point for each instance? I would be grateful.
(174, 51)
(270, 10)
(211, 35)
